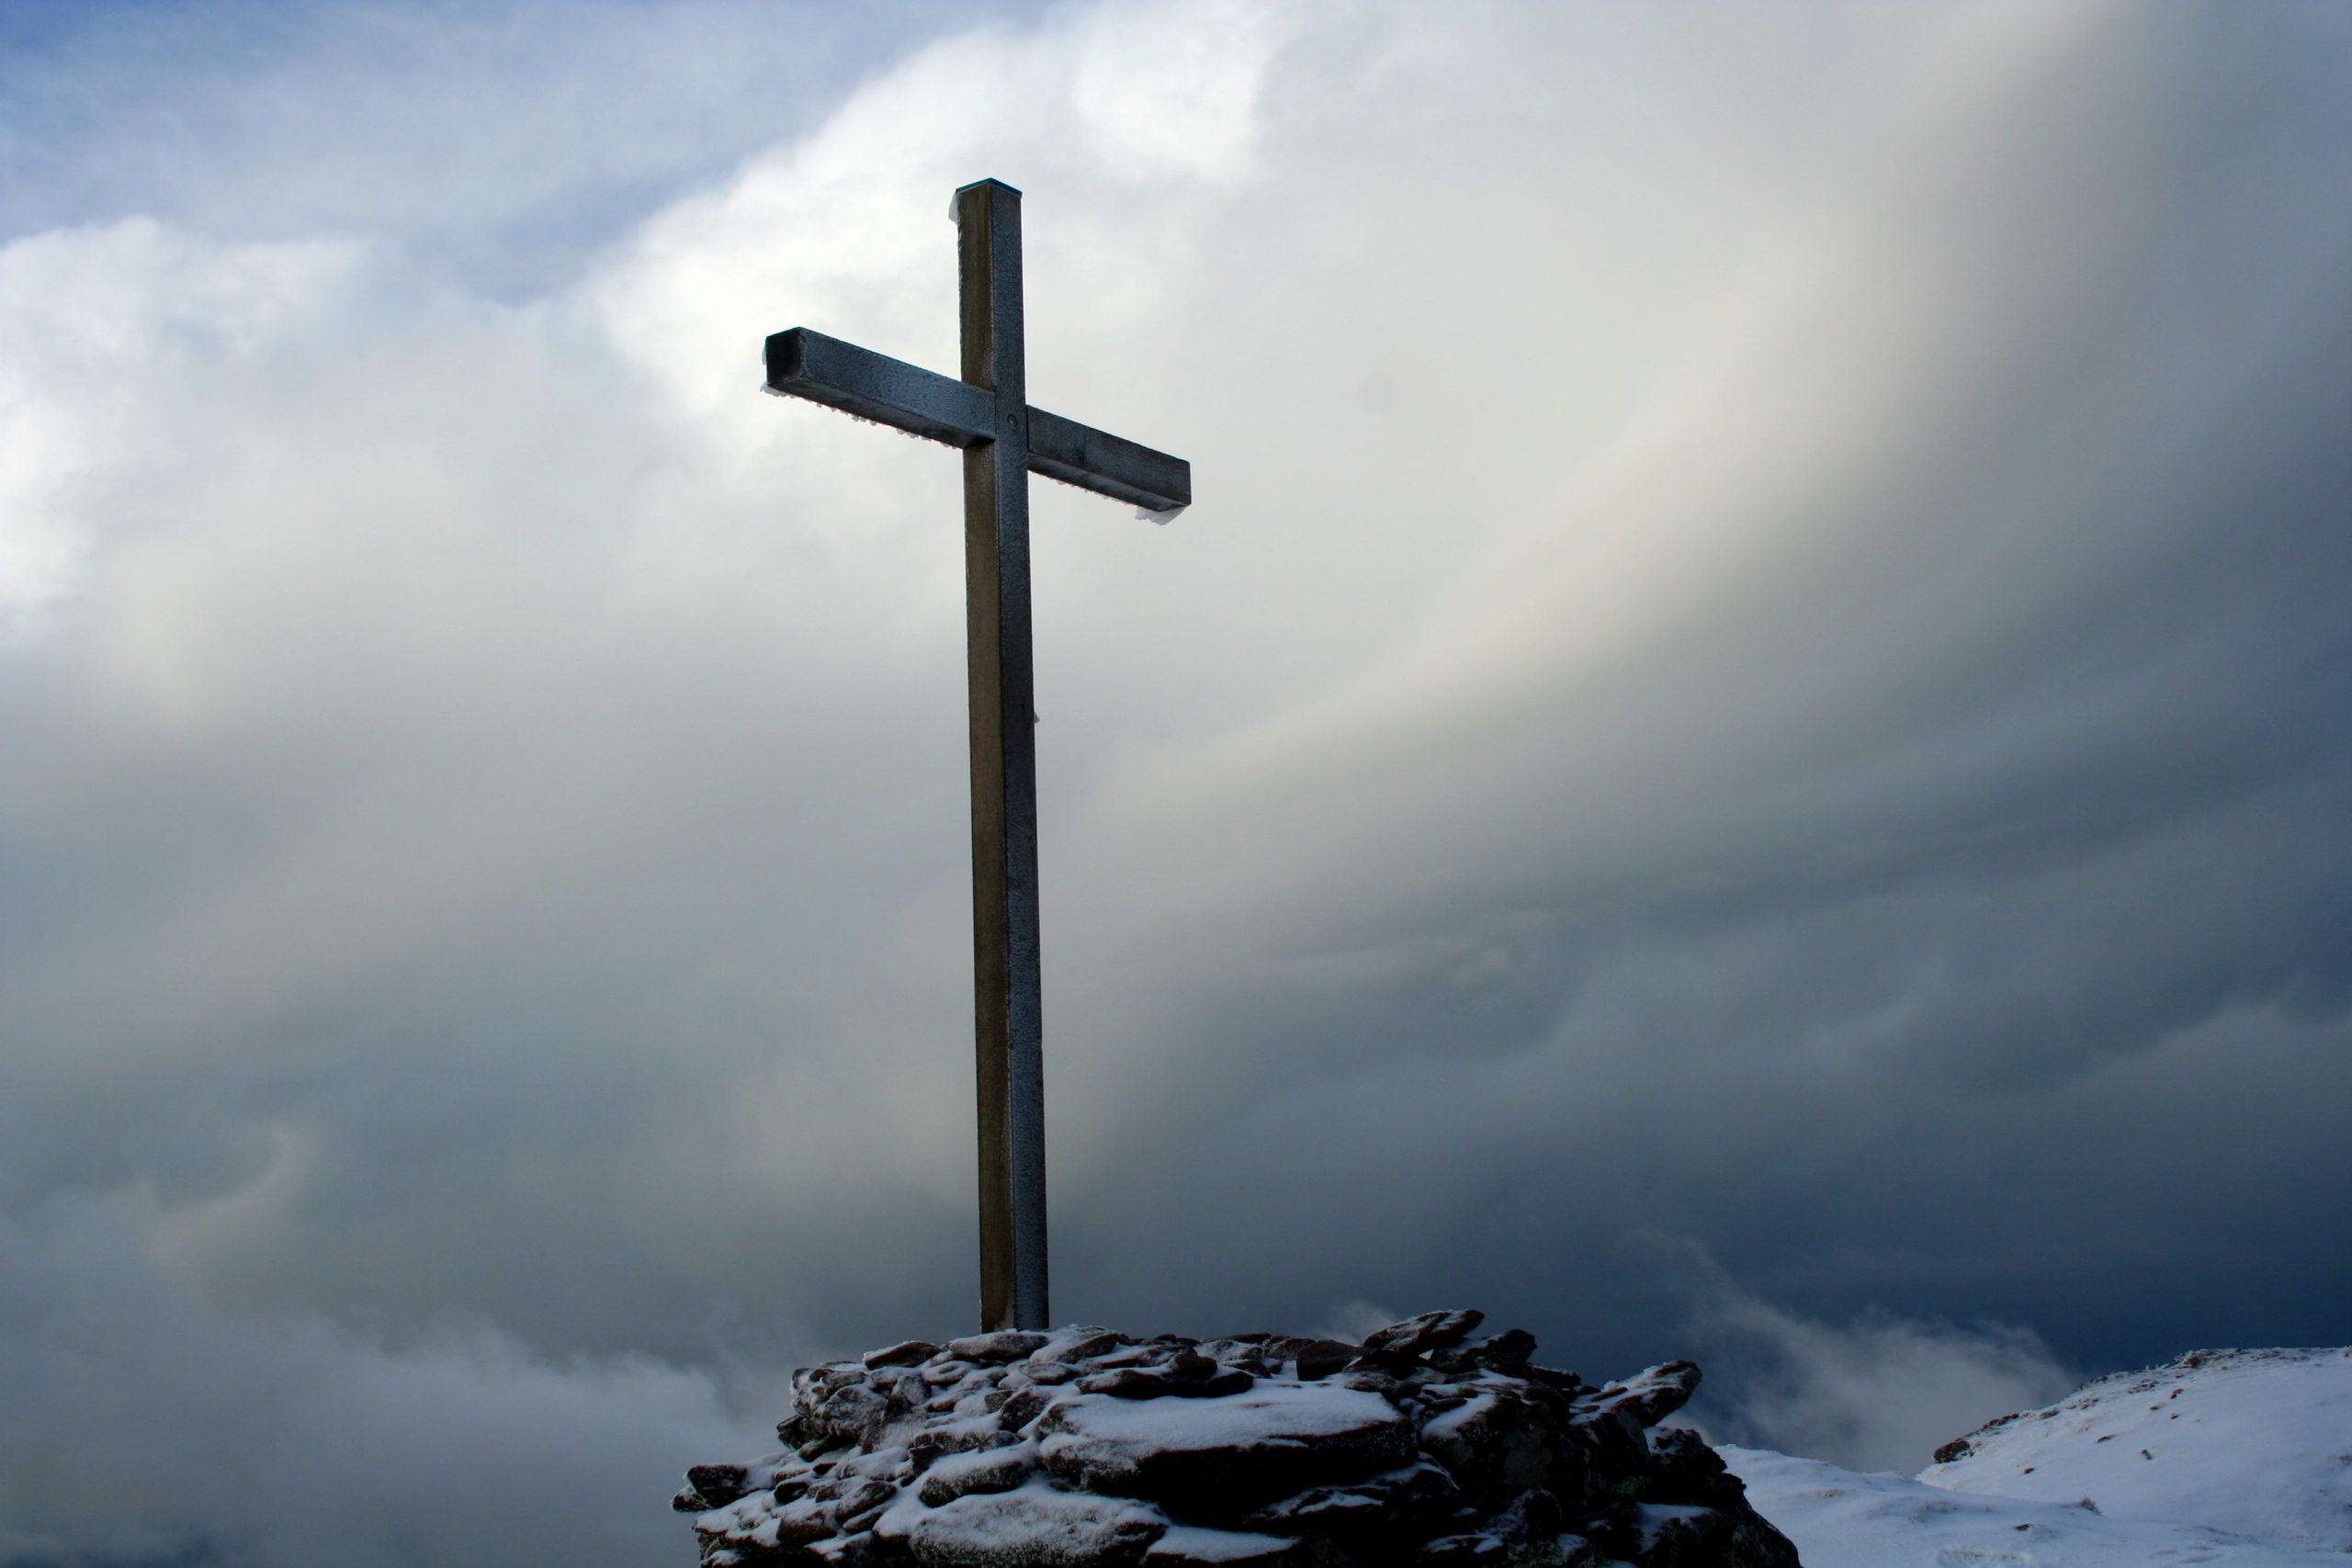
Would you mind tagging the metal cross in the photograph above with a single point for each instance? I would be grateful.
(988, 415)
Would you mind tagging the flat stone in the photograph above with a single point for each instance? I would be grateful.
(812, 1385)
(841, 1552)
(906, 1353)
(887, 1464)
(988, 1470)
(1509, 1352)
(1025, 1407)
(931, 1444)
(1004, 1345)
(1321, 1358)
(1559, 1379)
(1212, 1461)
(1078, 1345)
(1429, 1331)
(1192, 1546)
(1407, 1498)
(1471, 1550)
(1035, 1527)
(857, 1508)
(779, 1526)
(1155, 1382)
(1338, 1511)
(716, 1485)
(853, 1413)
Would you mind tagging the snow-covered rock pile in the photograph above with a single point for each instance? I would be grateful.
(1088, 1447)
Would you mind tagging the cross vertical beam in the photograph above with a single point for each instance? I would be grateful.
(1009, 985)
(1004, 440)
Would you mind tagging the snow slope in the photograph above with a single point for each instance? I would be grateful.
(1840, 1519)
(2229, 1459)
(2255, 1442)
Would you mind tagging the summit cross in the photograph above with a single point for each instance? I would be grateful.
(988, 415)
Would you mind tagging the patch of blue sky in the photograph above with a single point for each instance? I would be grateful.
(496, 144)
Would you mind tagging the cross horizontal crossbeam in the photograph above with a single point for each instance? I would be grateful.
(804, 364)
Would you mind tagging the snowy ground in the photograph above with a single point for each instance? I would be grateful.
(2236, 1459)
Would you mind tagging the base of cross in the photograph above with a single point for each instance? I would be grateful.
(1421, 1445)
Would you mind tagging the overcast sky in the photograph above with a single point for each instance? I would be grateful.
(1748, 750)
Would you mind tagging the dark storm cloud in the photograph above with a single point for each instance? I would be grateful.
(1770, 669)
(1945, 905)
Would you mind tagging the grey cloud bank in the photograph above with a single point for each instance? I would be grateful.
(170, 1432)
(1770, 668)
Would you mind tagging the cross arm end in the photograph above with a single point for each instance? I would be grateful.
(1108, 464)
(805, 363)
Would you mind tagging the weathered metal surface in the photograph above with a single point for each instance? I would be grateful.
(988, 414)
(802, 364)
(1108, 464)
(1004, 770)
(805, 363)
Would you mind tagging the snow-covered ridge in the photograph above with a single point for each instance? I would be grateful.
(2229, 1459)
(1841, 1520)
(2255, 1442)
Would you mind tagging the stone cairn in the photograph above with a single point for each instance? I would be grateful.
(1086, 1449)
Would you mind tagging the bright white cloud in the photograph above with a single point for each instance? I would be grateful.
(113, 330)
